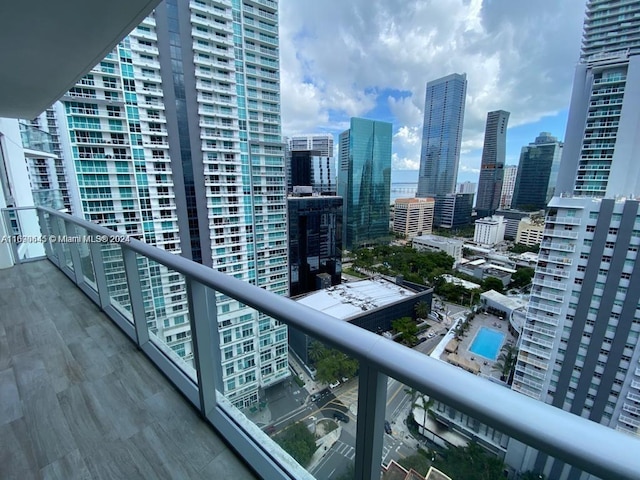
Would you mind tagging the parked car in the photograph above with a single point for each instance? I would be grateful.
(341, 417)
(334, 384)
(387, 427)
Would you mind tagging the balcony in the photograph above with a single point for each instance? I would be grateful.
(86, 385)
(36, 139)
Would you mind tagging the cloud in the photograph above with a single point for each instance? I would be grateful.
(340, 59)
(404, 163)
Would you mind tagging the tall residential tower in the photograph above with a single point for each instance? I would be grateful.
(492, 164)
(580, 349)
(442, 135)
(176, 141)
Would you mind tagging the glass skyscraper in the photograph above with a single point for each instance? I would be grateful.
(492, 164)
(364, 181)
(442, 135)
(175, 137)
(537, 173)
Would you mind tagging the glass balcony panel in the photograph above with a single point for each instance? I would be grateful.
(308, 409)
(167, 314)
(23, 226)
(116, 279)
(65, 230)
(85, 258)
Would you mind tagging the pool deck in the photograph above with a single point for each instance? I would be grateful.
(483, 320)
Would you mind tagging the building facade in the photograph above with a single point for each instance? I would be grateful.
(489, 231)
(315, 242)
(435, 243)
(508, 185)
(580, 349)
(318, 142)
(453, 211)
(537, 173)
(492, 164)
(308, 168)
(442, 135)
(413, 216)
(364, 182)
(466, 187)
(530, 231)
(175, 138)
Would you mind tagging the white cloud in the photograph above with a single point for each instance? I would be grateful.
(338, 57)
(404, 163)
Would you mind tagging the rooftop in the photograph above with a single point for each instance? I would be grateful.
(350, 299)
(78, 399)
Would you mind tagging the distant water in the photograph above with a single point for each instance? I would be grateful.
(404, 184)
(403, 190)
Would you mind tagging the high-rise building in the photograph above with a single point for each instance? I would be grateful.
(453, 210)
(319, 142)
(508, 185)
(442, 135)
(364, 181)
(537, 173)
(580, 349)
(489, 230)
(175, 137)
(492, 164)
(466, 187)
(413, 216)
(309, 168)
(315, 242)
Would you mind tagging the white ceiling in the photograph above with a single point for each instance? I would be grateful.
(47, 45)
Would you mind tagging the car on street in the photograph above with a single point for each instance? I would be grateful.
(387, 427)
(334, 384)
(341, 417)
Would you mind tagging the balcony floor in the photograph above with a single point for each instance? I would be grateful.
(78, 400)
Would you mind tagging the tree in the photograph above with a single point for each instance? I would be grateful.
(333, 365)
(418, 462)
(470, 462)
(492, 283)
(299, 442)
(317, 351)
(506, 362)
(519, 248)
(422, 309)
(407, 329)
(522, 277)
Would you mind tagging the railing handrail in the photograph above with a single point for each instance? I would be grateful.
(590, 446)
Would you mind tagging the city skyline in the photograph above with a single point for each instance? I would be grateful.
(321, 91)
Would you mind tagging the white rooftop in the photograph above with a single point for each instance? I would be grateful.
(347, 300)
(511, 303)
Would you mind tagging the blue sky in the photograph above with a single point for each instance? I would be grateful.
(373, 58)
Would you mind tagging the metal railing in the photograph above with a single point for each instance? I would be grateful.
(596, 449)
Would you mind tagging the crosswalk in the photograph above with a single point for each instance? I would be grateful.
(344, 449)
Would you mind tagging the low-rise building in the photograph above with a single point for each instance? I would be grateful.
(490, 230)
(530, 231)
(435, 243)
(370, 304)
(413, 216)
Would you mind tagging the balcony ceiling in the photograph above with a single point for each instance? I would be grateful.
(48, 45)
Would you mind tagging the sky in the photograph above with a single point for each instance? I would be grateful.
(373, 58)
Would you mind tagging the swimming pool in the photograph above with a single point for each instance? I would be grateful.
(487, 343)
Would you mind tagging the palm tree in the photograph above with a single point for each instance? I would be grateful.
(317, 351)
(506, 362)
(422, 309)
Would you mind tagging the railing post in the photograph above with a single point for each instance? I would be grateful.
(372, 396)
(206, 343)
(45, 232)
(135, 295)
(95, 249)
